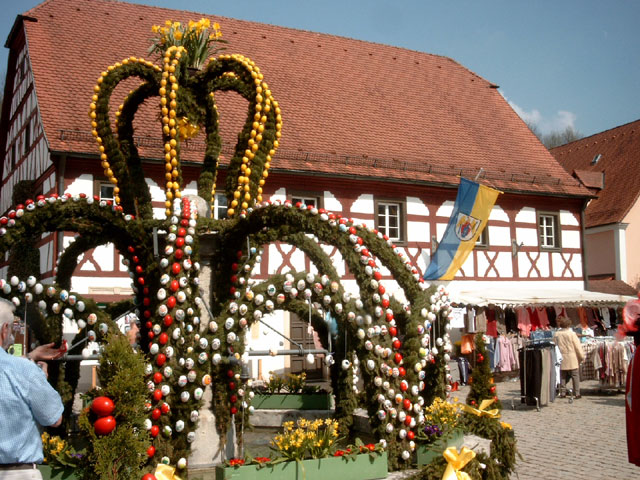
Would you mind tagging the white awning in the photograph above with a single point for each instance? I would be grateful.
(512, 294)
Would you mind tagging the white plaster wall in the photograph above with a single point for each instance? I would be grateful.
(297, 260)
(528, 236)
(527, 215)
(445, 209)
(82, 184)
(568, 218)
(364, 204)
(265, 339)
(497, 213)
(279, 195)
(336, 259)
(499, 236)
(191, 188)
(46, 257)
(504, 264)
(331, 203)
(570, 239)
(440, 229)
(415, 206)
(159, 213)
(103, 256)
(418, 232)
(469, 268)
(275, 258)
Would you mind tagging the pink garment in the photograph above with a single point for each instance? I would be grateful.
(524, 322)
(543, 317)
(507, 358)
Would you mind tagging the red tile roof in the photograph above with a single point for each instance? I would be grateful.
(619, 150)
(590, 179)
(349, 107)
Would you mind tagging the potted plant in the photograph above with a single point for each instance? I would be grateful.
(307, 450)
(291, 392)
(442, 430)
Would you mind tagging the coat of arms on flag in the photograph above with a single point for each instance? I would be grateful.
(466, 226)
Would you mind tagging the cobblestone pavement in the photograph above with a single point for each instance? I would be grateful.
(583, 440)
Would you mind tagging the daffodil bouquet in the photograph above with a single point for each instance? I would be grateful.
(306, 439)
(58, 453)
(200, 39)
(441, 418)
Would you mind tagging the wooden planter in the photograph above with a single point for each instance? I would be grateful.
(292, 401)
(49, 474)
(427, 452)
(365, 467)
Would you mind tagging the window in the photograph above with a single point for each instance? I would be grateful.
(548, 230)
(106, 191)
(483, 239)
(308, 200)
(27, 137)
(14, 160)
(389, 220)
(220, 206)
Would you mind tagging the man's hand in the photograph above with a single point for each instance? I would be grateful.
(46, 352)
(45, 368)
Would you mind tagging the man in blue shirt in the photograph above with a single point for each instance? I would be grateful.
(27, 401)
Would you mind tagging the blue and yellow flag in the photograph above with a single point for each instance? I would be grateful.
(469, 217)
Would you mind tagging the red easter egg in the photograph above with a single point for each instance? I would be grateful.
(148, 476)
(104, 425)
(155, 430)
(167, 320)
(135, 259)
(157, 377)
(165, 408)
(385, 303)
(151, 451)
(163, 338)
(381, 290)
(178, 253)
(232, 386)
(157, 395)
(230, 373)
(161, 359)
(233, 398)
(393, 331)
(139, 269)
(171, 302)
(397, 344)
(155, 414)
(234, 410)
(180, 242)
(141, 280)
(407, 420)
(102, 406)
(397, 358)
(406, 403)
(411, 435)
(182, 232)
(402, 371)
(174, 285)
(175, 268)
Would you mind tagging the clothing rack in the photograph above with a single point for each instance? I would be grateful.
(529, 345)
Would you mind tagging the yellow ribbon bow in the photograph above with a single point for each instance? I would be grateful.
(481, 410)
(456, 462)
(165, 472)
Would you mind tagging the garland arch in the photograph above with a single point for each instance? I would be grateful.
(390, 345)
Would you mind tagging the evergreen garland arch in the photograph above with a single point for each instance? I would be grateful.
(399, 361)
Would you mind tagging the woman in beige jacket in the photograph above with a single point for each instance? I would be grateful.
(569, 345)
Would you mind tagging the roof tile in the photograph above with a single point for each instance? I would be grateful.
(351, 106)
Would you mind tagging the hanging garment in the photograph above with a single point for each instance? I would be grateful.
(551, 315)
(545, 376)
(533, 317)
(606, 319)
(467, 344)
(471, 320)
(463, 370)
(542, 317)
(511, 320)
(457, 317)
(507, 361)
(492, 324)
(524, 321)
(481, 320)
(530, 374)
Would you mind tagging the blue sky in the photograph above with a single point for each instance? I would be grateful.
(558, 62)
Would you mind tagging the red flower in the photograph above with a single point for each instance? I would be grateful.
(370, 446)
(262, 459)
(339, 453)
(236, 462)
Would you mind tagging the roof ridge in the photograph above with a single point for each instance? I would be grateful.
(37, 7)
(583, 142)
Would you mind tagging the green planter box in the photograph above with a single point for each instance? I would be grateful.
(292, 401)
(365, 467)
(49, 474)
(428, 452)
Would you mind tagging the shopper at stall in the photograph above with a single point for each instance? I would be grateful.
(569, 345)
(26, 401)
